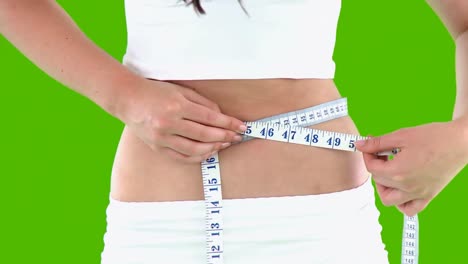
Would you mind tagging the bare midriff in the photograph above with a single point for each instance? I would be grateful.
(252, 169)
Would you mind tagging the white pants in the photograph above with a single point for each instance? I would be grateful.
(340, 227)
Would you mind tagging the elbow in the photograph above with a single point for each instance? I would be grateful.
(453, 13)
(459, 13)
(462, 34)
(461, 39)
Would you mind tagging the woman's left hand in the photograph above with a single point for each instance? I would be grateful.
(431, 156)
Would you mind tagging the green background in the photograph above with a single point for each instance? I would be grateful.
(395, 63)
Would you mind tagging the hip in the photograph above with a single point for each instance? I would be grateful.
(340, 227)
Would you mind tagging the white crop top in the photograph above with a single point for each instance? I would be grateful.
(167, 40)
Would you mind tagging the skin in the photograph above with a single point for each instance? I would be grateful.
(426, 165)
(179, 123)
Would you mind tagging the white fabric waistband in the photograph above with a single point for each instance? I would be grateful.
(325, 228)
(337, 203)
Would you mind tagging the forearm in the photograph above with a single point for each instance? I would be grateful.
(460, 112)
(46, 35)
(461, 103)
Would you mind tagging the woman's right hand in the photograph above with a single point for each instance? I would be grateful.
(177, 120)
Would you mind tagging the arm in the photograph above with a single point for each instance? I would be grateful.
(47, 36)
(454, 14)
(168, 118)
(427, 162)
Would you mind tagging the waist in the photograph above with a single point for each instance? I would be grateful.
(251, 99)
(257, 168)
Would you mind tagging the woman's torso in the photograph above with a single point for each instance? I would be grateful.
(256, 168)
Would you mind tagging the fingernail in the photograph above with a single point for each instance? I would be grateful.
(225, 145)
(237, 138)
(242, 128)
(360, 143)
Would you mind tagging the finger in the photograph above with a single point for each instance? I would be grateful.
(204, 115)
(380, 143)
(413, 207)
(378, 165)
(380, 188)
(195, 97)
(183, 158)
(190, 147)
(203, 133)
(392, 196)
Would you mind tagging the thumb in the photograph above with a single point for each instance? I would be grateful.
(413, 207)
(376, 144)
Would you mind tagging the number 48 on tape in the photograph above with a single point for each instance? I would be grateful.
(302, 135)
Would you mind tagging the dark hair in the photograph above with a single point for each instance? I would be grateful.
(199, 9)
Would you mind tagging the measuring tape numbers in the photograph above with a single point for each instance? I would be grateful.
(289, 127)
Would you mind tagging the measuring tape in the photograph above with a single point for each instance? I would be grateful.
(289, 127)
